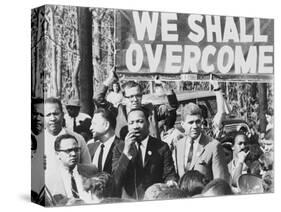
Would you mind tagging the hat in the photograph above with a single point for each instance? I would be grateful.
(73, 102)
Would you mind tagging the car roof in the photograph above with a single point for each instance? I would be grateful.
(181, 96)
(233, 121)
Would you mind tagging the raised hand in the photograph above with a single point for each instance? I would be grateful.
(130, 139)
(112, 76)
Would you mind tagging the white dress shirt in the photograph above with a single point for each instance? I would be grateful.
(80, 118)
(66, 179)
(143, 147)
(107, 146)
(52, 162)
(115, 98)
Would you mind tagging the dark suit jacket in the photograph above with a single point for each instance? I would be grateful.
(108, 162)
(158, 168)
(209, 158)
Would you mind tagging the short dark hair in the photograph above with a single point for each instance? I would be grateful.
(131, 84)
(109, 116)
(219, 187)
(53, 100)
(192, 182)
(171, 193)
(60, 138)
(102, 185)
(204, 111)
(142, 109)
(118, 84)
(191, 109)
(37, 100)
(239, 133)
(162, 191)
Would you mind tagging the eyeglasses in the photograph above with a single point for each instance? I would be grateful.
(137, 96)
(68, 151)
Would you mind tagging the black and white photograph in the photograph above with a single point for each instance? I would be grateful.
(136, 105)
(140, 105)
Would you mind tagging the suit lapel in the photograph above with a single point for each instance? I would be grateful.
(181, 147)
(200, 150)
(108, 160)
(149, 151)
(93, 148)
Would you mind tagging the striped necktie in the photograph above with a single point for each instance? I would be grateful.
(74, 187)
(190, 155)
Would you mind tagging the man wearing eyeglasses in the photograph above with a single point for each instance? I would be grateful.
(67, 187)
(53, 115)
(133, 99)
(198, 151)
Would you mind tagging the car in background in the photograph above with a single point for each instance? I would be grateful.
(230, 125)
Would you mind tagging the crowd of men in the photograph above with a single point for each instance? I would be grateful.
(129, 151)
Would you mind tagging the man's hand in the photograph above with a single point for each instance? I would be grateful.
(215, 84)
(111, 77)
(130, 139)
(242, 156)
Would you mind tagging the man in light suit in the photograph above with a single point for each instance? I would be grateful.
(141, 160)
(104, 139)
(69, 183)
(197, 151)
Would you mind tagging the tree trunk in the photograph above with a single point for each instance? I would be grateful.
(58, 66)
(54, 88)
(254, 91)
(75, 76)
(262, 89)
(85, 67)
(96, 50)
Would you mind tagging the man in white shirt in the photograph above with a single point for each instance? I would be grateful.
(53, 128)
(77, 121)
(237, 165)
(104, 140)
(69, 183)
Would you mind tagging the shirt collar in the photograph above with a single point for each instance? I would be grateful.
(109, 142)
(65, 171)
(198, 138)
(144, 142)
(63, 131)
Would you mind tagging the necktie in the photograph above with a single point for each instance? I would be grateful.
(190, 155)
(74, 187)
(100, 158)
(139, 156)
(74, 124)
(139, 173)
